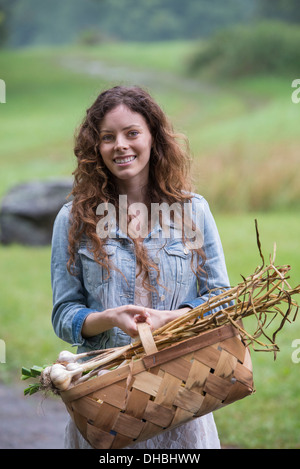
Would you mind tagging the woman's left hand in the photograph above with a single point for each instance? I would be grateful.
(157, 318)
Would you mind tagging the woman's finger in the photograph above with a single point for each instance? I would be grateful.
(145, 317)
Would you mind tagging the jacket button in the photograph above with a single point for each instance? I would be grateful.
(156, 260)
(162, 297)
(186, 251)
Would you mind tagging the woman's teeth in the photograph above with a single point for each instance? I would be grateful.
(126, 159)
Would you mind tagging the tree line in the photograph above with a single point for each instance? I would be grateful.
(30, 22)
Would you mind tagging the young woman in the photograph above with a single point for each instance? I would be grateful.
(135, 244)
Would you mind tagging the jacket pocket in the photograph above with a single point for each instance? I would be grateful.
(94, 274)
(177, 265)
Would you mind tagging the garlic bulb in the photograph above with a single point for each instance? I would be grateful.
(60, 377)
(45, 379)
(66, 356)
(74, 367)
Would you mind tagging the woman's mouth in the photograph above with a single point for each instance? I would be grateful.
(124, 160)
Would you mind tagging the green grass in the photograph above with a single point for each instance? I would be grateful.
(25, 307)
(240, 247)
(244, 140)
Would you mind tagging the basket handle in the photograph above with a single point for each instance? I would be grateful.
(146, 338)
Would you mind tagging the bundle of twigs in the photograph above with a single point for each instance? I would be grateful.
(266, 295)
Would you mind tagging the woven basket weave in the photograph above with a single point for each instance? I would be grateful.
(163, 389)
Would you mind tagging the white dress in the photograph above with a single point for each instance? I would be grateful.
(200, 433)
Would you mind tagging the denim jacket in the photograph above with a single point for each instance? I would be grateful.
(90, 290)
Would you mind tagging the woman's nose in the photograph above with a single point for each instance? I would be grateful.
(121, 143)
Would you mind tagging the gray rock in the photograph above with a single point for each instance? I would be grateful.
(28, 211)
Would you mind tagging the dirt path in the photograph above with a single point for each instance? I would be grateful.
(121, 74)
(30, 422)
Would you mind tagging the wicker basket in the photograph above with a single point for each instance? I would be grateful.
(163, 389)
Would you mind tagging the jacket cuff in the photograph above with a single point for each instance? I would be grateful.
(193, 304)
(77, 324)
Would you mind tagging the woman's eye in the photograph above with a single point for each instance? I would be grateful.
(133, 133)
(106, 138)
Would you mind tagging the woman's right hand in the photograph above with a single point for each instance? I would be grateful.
(125, 317)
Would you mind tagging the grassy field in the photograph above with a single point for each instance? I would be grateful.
(247, 130)
(244, 140)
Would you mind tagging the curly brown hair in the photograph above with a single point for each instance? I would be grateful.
(169, 173)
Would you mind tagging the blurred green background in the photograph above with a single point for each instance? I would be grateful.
(223, 72)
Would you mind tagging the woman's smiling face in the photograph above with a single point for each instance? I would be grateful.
(125, 145)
